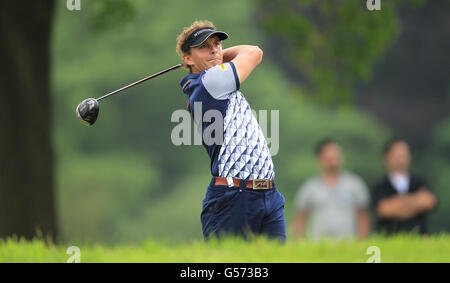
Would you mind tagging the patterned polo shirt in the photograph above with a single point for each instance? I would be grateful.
(243, 153)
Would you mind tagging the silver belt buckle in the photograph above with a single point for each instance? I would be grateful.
(260, 184)
(230, 182)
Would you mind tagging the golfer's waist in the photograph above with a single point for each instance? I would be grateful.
(257, 184)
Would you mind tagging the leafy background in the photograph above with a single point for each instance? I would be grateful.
(122, 180)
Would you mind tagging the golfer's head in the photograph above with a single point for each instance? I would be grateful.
(328, 155)
(200, 46)
(397, 156)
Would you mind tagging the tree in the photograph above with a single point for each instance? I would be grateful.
(27, 195)
(27, 190)
(328, 46)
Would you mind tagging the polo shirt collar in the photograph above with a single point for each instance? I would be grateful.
(187, 78)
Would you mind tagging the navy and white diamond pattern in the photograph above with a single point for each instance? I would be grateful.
(244, 153)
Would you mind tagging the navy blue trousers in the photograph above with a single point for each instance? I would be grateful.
(238, 210)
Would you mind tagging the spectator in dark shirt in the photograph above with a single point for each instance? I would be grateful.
(402, 200)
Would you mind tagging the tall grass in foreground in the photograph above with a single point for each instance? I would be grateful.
(400, 248)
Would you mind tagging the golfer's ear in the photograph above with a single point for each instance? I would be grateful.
(187, 59)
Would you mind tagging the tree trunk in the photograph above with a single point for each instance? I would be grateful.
(27, 197)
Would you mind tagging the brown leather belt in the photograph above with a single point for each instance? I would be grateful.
(259, 184)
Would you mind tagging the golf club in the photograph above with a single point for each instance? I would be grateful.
(87, 110)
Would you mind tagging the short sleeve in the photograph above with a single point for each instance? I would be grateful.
(303, 198)
(221, 80)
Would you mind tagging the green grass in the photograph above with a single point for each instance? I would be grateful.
(401, 248)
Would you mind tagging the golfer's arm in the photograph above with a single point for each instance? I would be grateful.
(244, 57)
(230, 53)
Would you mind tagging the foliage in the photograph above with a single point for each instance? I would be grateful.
(102, 193)
(332, 44)
(122, 180)
(437, 163)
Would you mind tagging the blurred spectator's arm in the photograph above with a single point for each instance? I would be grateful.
(300, 224)
(363, 224)
(303, 204)
(406, 206)
(362, 199)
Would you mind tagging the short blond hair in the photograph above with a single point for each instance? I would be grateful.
(181, 38)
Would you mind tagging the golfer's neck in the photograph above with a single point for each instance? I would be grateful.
(195, 70)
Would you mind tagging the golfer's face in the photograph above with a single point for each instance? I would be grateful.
(206, 55)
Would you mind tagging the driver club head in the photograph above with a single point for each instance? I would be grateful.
(87, 111)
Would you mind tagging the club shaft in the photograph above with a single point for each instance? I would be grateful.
(140, 81)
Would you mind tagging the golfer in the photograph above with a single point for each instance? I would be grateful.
(242, 197)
